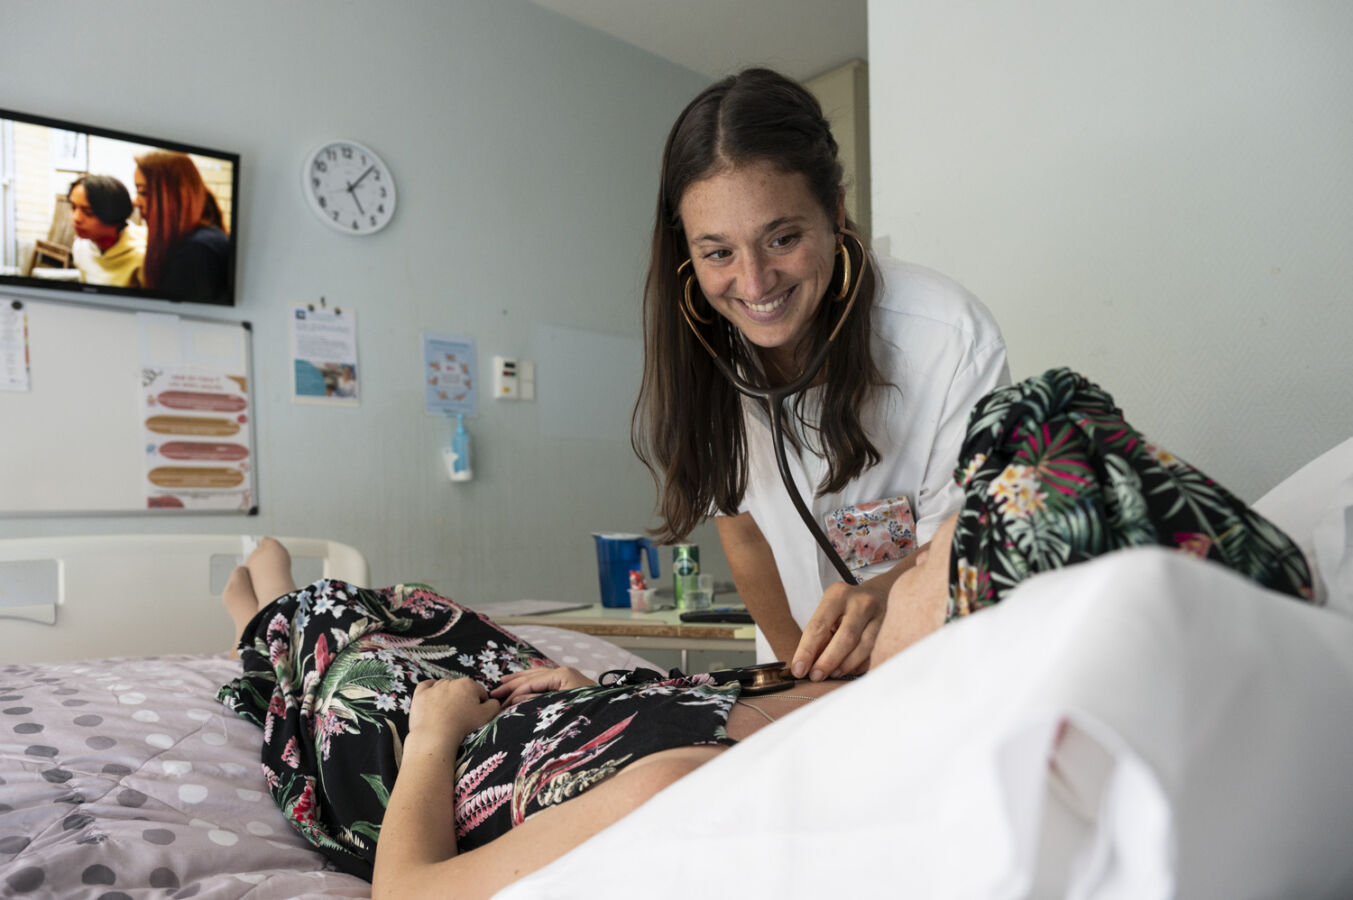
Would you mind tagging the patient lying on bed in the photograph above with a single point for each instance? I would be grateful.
(402, 716)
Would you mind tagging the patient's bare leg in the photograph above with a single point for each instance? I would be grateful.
(241, 602)
(270, 569)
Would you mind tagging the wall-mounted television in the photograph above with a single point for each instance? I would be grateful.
(91, 211)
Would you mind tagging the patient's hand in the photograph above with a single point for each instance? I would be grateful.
(524, 685)
(446, 710)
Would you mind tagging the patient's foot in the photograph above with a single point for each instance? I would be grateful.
(241, 602)
(270, 569)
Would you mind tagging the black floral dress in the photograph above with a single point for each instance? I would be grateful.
(329, 673)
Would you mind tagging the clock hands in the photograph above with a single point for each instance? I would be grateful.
(352, 188)
(369, 170)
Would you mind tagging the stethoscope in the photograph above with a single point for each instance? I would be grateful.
(775, 397)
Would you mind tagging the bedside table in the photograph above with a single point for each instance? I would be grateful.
(660, 637)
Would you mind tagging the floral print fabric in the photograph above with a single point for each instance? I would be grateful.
(874, 532)
(556, 746)
(1053, 475)
(329, 672)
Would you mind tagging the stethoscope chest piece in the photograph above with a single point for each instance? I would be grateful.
(766, 678)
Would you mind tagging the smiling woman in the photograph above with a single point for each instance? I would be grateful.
(755, 266)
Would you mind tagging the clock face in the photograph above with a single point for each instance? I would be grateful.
(349, 188)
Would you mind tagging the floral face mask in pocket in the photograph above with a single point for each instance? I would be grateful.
(875, 532)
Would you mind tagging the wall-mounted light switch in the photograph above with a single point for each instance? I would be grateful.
(506, 385)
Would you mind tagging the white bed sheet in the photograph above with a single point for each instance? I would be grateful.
(1204, 723)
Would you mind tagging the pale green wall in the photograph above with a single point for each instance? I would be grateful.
(526, 152)
(1158, 193)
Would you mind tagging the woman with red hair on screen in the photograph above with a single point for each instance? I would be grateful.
(188, 247)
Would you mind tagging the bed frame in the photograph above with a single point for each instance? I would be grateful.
(65, 598)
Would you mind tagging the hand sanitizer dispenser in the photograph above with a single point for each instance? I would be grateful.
(457, 456)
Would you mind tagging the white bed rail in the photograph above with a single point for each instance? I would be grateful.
(140, 594)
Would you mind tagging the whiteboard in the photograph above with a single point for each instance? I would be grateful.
(99, 432)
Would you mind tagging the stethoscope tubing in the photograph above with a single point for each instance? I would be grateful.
(778, 436)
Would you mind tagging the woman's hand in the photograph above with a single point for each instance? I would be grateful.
(840, 636)
(446, 710)
(519, 686)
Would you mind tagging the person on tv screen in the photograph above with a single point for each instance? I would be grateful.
(109, 249)
(188, 247)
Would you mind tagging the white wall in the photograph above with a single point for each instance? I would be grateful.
(526, 150)
(1159, 194)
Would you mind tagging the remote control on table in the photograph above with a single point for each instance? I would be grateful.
(736, 614)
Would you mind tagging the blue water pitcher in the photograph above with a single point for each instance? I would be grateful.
(617, 555)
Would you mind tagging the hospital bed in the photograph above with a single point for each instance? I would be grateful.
(119, 771)
(1145, 725)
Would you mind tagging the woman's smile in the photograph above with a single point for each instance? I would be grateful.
(770, 306)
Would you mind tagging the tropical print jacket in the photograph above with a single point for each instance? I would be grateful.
(1053, 475)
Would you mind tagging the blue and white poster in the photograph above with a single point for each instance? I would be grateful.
(324, 356)
(449, 375)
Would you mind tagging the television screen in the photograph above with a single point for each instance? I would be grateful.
(87, 210)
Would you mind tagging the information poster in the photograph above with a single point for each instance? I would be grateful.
(196, 426)
(448, 372)
(324, 355)
(13, 346)
(195, 416)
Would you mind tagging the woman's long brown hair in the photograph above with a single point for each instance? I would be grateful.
(688, 422)
(177, 201)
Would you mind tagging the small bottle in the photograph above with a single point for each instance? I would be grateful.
(458, 455)
(685, 568)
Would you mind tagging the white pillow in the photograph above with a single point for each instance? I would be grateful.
(1314, 506)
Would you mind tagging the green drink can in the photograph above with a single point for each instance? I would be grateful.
(685, 570)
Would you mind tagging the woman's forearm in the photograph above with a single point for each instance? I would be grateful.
(769, 607)
(757, 579)
(419, 829)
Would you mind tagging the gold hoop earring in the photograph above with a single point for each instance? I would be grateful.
(845, 272)
(854, 289)
(689, 307)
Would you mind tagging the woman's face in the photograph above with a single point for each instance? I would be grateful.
(763, 251)
(142, 201)
(919, 599)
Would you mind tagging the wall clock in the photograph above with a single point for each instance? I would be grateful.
(349, 187)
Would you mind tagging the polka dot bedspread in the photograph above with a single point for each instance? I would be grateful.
(124, 778)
